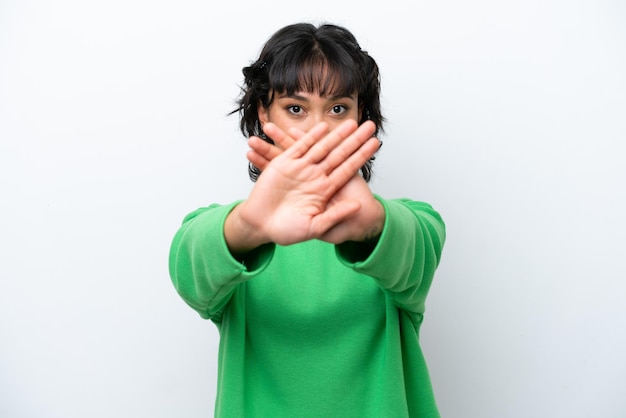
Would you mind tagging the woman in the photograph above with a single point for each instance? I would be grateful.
(317, 286)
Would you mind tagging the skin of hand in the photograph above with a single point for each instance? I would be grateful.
(364, 225)
(308, 190)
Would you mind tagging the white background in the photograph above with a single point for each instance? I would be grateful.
(509, 117)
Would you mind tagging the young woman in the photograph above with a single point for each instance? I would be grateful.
(317, 286)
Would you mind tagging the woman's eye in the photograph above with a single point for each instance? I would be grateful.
(338, 109)
(295, 109)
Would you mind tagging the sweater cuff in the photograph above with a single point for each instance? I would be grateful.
(393, 238)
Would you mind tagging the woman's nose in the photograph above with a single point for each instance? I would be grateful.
(311, 121)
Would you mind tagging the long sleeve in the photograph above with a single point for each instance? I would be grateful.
(334, 329)
(406, 255)
(201, 267)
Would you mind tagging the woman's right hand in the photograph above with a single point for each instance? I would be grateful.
(292, 199)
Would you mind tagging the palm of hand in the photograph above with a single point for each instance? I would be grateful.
(310, 188)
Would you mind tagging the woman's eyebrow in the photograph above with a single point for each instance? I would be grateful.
(303, 98)
(293, 96)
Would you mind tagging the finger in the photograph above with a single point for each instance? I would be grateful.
(280, 137)
(348, 168)
(263, 148)
(330, 218)
(257, 160)
(296, 133)
(307, 140)
(343, 152)
(333, 139)
(335, 235)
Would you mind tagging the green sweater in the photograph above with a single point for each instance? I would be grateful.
(314, 329)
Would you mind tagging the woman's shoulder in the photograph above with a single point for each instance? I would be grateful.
(213, 208)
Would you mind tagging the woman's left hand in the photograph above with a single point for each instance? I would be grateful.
(364, 225)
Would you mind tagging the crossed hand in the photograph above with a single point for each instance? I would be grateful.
(309, 188)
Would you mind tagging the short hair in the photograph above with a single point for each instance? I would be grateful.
(325, 59)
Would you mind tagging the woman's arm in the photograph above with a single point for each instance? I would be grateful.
(202, 268)
(406, 255)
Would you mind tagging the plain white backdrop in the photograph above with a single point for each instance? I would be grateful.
(509, 117)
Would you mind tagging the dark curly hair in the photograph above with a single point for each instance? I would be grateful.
(325, 59)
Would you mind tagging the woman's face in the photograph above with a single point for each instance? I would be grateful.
(304, 110)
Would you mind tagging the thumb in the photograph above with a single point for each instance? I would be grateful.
(333, 215)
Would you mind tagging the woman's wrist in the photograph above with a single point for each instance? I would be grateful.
(241, 237)
(375, 227)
